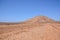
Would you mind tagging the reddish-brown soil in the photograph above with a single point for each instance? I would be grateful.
(37, 28)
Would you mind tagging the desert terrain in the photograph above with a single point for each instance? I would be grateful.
(36, 28)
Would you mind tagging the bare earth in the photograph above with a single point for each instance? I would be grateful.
(37, 28)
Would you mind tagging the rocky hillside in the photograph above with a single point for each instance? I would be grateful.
(36, 28)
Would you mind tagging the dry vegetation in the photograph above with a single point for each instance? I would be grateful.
(38, 28)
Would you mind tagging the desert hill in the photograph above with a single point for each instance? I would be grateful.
(36, 28)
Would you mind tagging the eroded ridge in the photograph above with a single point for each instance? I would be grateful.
(32, 29)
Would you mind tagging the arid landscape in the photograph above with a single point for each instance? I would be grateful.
(36, 28)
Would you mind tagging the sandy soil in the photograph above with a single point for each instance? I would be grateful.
(33, 29)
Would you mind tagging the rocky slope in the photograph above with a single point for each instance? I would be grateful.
(37, 28)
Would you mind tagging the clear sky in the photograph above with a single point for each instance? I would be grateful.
(20, 10)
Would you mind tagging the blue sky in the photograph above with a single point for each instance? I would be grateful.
(20, 10)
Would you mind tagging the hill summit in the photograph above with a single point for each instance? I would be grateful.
(40, 19)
